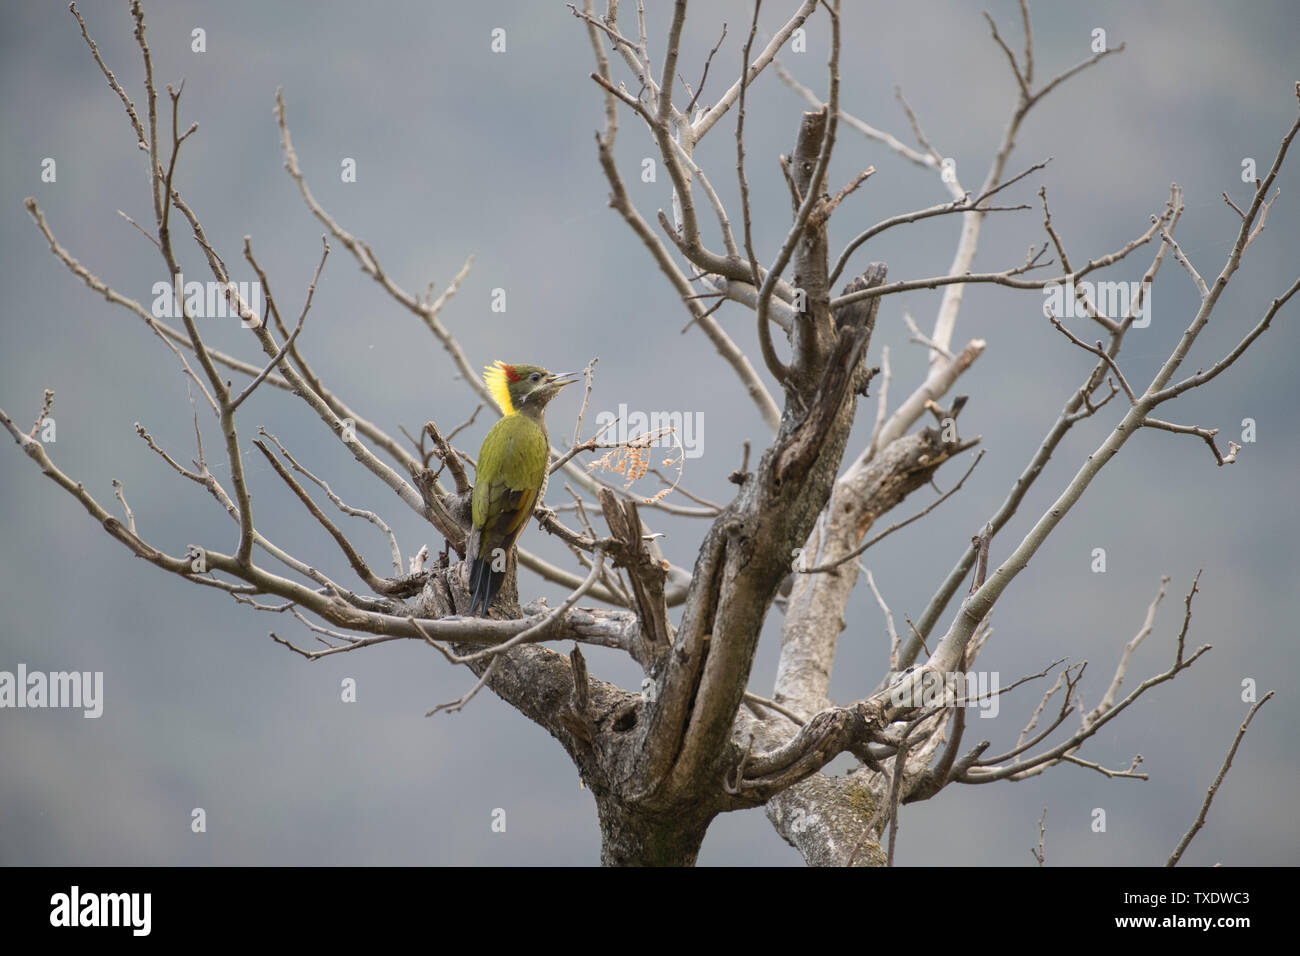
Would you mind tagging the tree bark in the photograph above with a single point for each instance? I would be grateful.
(632, 836)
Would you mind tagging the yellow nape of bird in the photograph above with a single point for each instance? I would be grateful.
(512, 471)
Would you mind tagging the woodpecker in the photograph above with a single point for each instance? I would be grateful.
(513, 467)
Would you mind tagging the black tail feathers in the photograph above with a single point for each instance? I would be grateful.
(484, 583)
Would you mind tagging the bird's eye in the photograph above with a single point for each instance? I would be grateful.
(537, 376)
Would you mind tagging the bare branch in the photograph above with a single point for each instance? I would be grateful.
(1109, 324)
(1201, 377)
(450, 457)
(1205, 433)
(1098, 351)
(965, 204)
(889, 619)
(339, 503)
(142, 139)
(288, 343)
(867, 130)
(621, 202)
(1218, 780)
(773, 705)
(780, 371)
(706, 122)
(1094, 719)
(1040, 854)
(121, 496)
(1186, 263)
(110, 294)
(459, 704)
(705, 75)
(539, 631)
(882, 400)
(921, 338)
(427, 312)
(1077, 407)
(831, 566)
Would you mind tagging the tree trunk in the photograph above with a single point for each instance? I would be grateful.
(634, 837)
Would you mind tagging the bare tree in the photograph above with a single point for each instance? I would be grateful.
(664, 760)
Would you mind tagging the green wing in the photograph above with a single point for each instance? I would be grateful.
(512, 464)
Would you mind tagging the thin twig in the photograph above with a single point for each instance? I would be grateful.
(705, 75)
(1041, 854)
(1214, 787)
(831, 566)
(1207, 434)
(1099, 351)
(288, 343)
(889, 620)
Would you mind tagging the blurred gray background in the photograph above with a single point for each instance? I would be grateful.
(461, 151)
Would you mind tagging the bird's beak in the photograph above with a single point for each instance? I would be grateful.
(560, 379)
